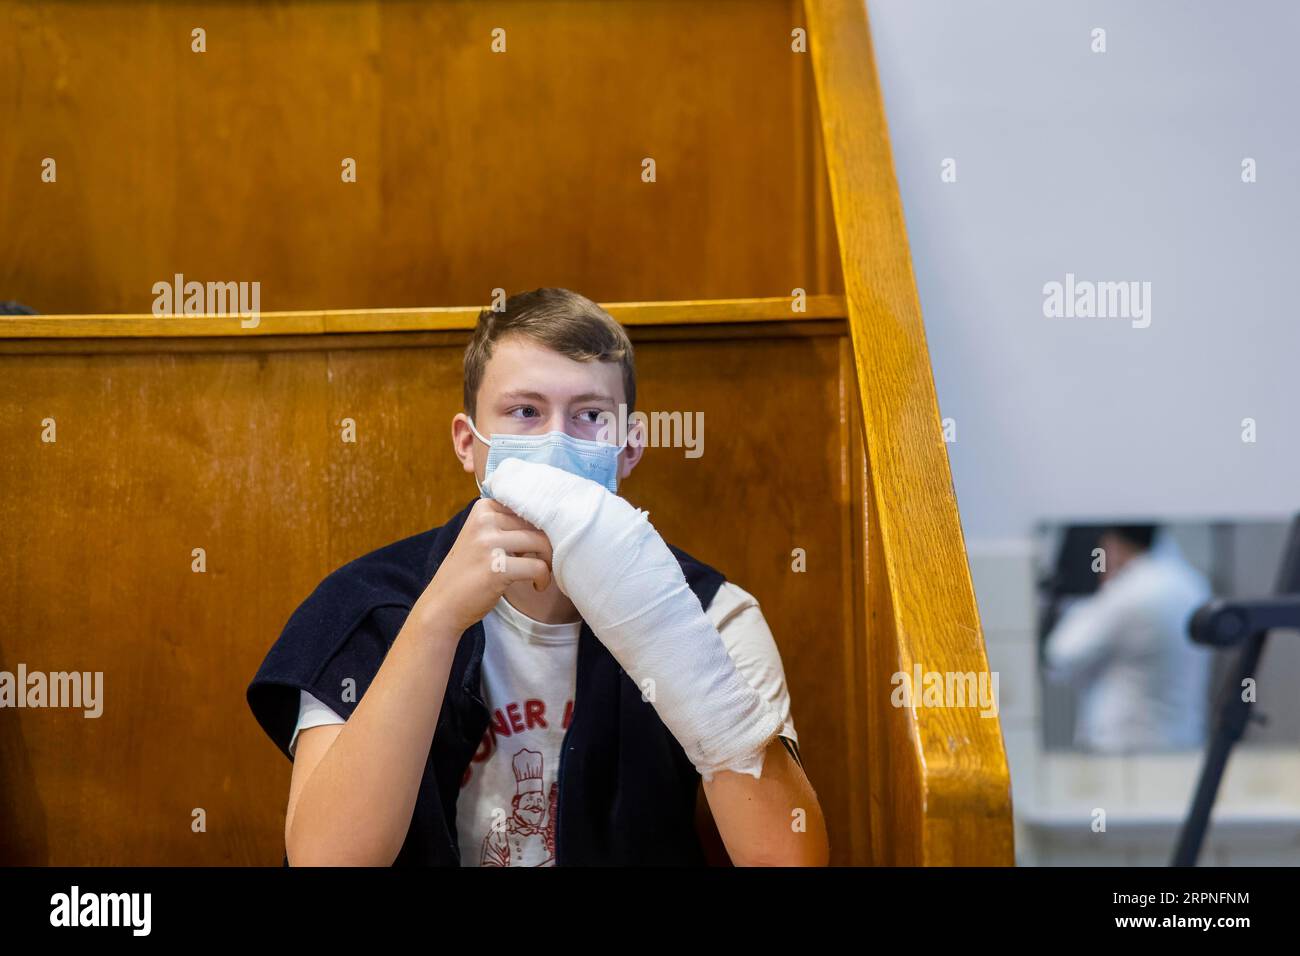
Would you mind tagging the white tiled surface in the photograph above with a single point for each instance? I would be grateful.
(1165, 780)
(1003, 574)
(1016, 665)
(1022, 758)
(1145, 796)
(1268, 777)
(1071, 780)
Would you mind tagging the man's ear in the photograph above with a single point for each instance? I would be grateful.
(631, 456)
(465, 445)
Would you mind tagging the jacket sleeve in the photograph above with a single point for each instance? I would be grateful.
(331, 647)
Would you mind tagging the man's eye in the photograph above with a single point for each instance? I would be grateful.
(524, 411)
(594, 416)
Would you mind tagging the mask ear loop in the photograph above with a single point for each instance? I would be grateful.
(470, 419)
(627, 440)
(627, 434)
(618, 455)
(481, 492)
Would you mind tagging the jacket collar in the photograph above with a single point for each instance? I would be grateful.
(468, 661)
(444, 537)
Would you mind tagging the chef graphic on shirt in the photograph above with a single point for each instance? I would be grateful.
(528, 836)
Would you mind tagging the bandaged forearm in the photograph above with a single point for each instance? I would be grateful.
(620, 575)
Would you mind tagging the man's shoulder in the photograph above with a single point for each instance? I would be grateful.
(343, 628)
(395, 566)
(730, 601)
(704, 579)
(389, 577)
(397, 571)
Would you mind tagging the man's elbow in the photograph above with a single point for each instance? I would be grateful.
(301, 851)
(806, 849)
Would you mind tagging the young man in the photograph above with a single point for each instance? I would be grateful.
(541, 680)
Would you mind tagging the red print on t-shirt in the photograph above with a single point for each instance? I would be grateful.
(528, 837)
(512, 719)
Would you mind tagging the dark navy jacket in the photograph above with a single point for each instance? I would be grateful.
(627, 790)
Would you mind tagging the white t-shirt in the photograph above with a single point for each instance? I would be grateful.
(529, 677)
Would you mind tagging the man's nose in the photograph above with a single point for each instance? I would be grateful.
(559, 422)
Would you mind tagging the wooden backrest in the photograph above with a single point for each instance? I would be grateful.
(474, 169)
(180, 433)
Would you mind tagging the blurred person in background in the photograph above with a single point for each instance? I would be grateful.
(1142, 683)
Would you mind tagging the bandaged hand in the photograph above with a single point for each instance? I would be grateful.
(620, 575)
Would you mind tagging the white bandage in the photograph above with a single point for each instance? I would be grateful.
(618, 572)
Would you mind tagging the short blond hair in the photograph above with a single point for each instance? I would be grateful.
(559, 319)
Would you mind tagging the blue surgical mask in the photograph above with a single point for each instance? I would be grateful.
(596, 460)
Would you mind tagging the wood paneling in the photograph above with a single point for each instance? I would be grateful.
(949, 760)
(50, 328)
(475, 170)
(240, 453)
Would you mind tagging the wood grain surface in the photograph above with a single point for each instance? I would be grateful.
(475, 171)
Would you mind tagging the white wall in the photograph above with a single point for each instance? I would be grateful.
(1123, 165)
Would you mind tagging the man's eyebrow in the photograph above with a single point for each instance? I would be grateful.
(538, 397)
(534, 396)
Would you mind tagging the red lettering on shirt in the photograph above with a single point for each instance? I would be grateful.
(516, 722)
(509, 722)
(535, 713)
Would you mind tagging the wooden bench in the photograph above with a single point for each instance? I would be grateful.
(823, 435)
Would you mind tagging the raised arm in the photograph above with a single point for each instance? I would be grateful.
(354, 785)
